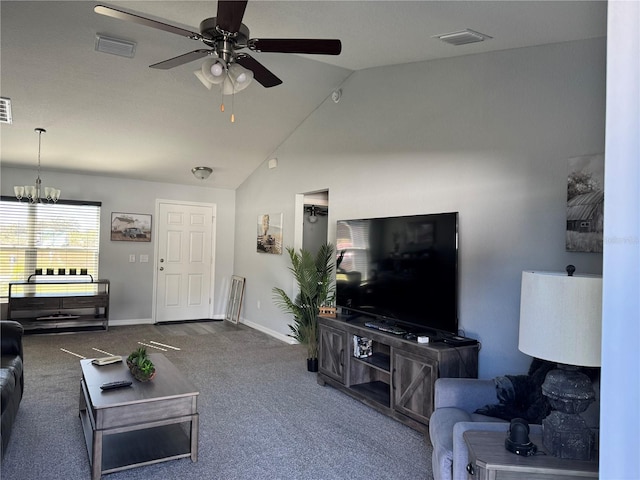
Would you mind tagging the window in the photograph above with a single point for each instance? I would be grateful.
(64, 235)
(352, 244)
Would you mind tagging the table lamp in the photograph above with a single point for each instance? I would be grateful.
(561, 321)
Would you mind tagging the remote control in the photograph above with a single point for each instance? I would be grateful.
(106, 360)
(117, 384)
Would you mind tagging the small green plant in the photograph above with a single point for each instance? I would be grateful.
(140, 365)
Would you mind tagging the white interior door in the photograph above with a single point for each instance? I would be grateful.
(184, 261)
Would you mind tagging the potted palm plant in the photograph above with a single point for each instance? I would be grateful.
(313, 275)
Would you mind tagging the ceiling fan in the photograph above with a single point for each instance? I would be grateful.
(225, 35)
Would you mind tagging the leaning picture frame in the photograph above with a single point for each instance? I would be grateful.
(234, 303)
(130, 227)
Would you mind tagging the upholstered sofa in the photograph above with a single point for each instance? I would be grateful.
(455, 403)
(11, 376)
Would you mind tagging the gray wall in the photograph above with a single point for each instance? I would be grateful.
(486, 135)
(132, 283)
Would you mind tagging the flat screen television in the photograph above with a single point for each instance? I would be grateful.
(401, 270)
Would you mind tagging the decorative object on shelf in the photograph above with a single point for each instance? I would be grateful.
(130, 227)
(362, 347)
(140, 365)
(313, 276)
(331, 312)
(560, 321)
(201, 173)
(270, 233)
(34, 192)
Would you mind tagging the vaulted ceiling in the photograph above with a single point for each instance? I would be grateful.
(110, 115)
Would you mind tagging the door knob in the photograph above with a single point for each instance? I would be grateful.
(162, 260)
(161, 268)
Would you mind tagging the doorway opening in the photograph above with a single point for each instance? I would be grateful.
(315, 225)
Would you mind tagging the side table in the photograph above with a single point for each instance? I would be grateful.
(489, 460)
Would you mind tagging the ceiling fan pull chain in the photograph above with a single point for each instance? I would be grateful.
(233, 117)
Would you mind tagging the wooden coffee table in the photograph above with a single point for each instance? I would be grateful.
(146, 423)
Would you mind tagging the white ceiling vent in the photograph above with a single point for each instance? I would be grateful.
(5, 110)
(463, 37)
(115, 46)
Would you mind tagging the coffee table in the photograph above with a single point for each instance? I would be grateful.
(146, 423)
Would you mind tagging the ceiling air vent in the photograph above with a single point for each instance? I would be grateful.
(115, 46)
(5, 110)
(463, 37)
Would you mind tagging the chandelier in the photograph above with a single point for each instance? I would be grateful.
(34, 192)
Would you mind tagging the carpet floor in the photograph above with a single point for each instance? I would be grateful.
(262, 415)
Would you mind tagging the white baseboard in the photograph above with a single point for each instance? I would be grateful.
(268, 331)
(131, 321)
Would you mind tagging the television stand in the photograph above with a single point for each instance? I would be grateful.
(397, 375)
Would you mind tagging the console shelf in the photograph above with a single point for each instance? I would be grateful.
(378, 360)
(397, 378)
(59, 304)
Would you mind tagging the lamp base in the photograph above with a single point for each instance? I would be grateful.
(564, 432)
(566, 435)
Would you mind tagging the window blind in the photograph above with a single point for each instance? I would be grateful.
(51, 237)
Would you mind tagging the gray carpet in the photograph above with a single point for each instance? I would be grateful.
(262, 415)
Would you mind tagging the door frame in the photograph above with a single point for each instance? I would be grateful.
(156, 230)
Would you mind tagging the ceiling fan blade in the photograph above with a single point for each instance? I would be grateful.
(230, 13)
(181, 59)
(131, 17)
(296, 45)
(260, 73)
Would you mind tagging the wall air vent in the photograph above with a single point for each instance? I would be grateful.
(114, 46)
(463, 37)
(5, 110)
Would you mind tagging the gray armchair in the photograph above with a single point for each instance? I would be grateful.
(455, 401)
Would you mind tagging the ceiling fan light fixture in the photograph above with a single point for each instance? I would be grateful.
(201, 173)
(240, 77)
(214, 70)
(203, 80)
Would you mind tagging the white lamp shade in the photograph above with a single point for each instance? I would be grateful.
(561, 317)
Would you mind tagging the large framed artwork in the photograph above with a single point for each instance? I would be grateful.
(270, 233)
(130, 227)
(585, 204)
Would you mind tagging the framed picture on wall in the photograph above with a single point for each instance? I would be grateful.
(585, 204)
(130, 227)
(270, 233)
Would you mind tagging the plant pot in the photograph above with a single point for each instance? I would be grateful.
(312, 364)
(141, 377)
(138, 375)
